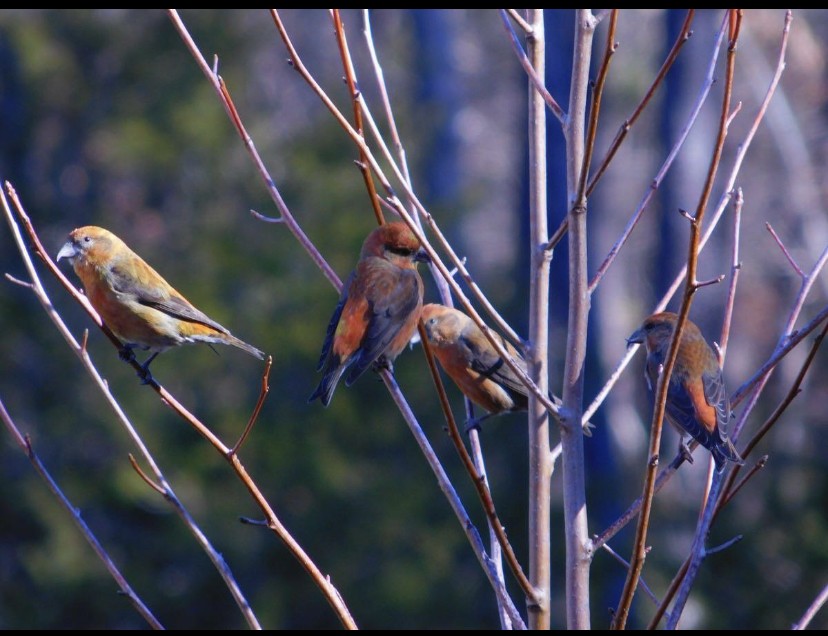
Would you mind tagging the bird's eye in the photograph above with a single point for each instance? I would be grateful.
(402, 251)
(87, 239)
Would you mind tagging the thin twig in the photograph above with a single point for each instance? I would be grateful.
(533, 75)
(709, 80)
(539, 458)
(523, 24)
(626, 565)
(698, 551)
(785, 251)
(256, 409)
(350, 78)
(735, 267)
(479, 482)
(812, 610)
(25, 444)
(578, 542)
(625, 127)
(224, 96)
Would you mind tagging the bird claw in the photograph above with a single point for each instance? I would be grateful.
(588, 427)
(383, 364)
(684, 451)
(128, 355)
(475, 423)
(472, 424)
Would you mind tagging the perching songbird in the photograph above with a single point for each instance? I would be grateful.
(378, 309)
(697, 402)
(472, 362)
(475, 366)
(135, 302)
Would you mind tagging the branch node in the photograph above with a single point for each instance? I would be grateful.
(267, 219)
(712, 281)
(145, 477)
(254, 522)
(687, 215)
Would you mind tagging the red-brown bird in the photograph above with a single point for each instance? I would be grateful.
(473, 363)
(378, 309)
(475, 366)
(134, 301)
(697, 401)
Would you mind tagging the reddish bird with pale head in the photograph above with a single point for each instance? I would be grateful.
(135, 302)
(378, 309)
(474, 365)
(697, 401)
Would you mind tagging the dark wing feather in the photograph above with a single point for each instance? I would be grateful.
(486, 361)
(681, 411)
(171, 304)
(334, 322)
(716, 396)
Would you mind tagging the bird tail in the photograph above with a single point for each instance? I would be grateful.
(723, 452)
(241, 344)
(327, 385)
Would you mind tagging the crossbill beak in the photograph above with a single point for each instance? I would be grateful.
(422, 256)
(637, 337)
(67, 251)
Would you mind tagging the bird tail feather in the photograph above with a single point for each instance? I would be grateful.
(726, 451)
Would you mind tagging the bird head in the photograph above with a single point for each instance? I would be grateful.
(442, 324)
(84, 241)
(394, 242)
(654, 329)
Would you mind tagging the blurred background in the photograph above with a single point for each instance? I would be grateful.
(106, 119)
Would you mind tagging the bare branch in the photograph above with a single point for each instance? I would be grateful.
(124, 587)
(224, 96)
(812, 610)
(787, 254)
(350, 78)
(735, 267)
(531, 72)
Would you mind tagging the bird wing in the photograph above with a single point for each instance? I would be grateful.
(682, 412)
(716, 396)
(391, 294)
(334, 322)
(166, 300)
(485, 360)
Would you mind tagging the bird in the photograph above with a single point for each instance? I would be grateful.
(697, 402)
(475, 366)
(378, 309)
(473, 363)
(141, 308)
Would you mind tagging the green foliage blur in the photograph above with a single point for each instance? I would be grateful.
(107, 120)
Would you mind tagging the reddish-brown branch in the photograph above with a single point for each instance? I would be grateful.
(350, 78)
